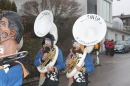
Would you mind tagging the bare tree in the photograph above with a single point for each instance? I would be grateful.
(29, 8)
(58, 7)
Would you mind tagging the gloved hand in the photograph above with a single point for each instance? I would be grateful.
(46, 50)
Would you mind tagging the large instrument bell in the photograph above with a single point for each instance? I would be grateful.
(43, 23)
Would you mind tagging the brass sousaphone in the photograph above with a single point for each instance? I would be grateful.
(42, 26)
(88, 30)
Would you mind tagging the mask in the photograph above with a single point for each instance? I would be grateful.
(47, 42)
(4, 30)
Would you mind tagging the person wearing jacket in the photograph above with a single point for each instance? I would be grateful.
(107, 46)
(112, 46)
(52, 75)
(81, 77)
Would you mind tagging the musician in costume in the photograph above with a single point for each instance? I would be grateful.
(11, 32)
(52, 74)
(81, 77)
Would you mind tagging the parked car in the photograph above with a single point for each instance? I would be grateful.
(128, 42)
(121, 46)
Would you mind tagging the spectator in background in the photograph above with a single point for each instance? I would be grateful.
(111, 46)
(106, 43)
(99, 44)
(96, 48)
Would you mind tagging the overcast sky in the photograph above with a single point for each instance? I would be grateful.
(122, 6)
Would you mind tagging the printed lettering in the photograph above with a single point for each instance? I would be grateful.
(84, 20)
(98, 19)
(92, 17)
(45, 14)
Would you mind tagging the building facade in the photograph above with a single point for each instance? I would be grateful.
(103, 8)
(117, 34)
(125, 19)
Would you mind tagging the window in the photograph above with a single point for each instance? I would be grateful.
(124, 21)
(123, 37)
(106, 11)
(116, 37)
(91, 6)
(75, 0)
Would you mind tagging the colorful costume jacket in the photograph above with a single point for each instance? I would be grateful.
(59, 65)
(11, 76)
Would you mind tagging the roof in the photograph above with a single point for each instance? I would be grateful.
(118, 30)
(122, 16)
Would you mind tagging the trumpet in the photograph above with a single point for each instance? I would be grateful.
(19, 55)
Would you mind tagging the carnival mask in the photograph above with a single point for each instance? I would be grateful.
(5, 32)
(47, 42)
(76, 46)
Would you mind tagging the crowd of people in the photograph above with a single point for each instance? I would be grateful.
(109, 47)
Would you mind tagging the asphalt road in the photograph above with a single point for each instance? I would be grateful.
(113, 71)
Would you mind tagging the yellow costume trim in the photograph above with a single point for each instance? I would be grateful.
(71, 79)
(24, 70)
(82, 47)
(55, 69)
(42, 74)
(1, 67)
